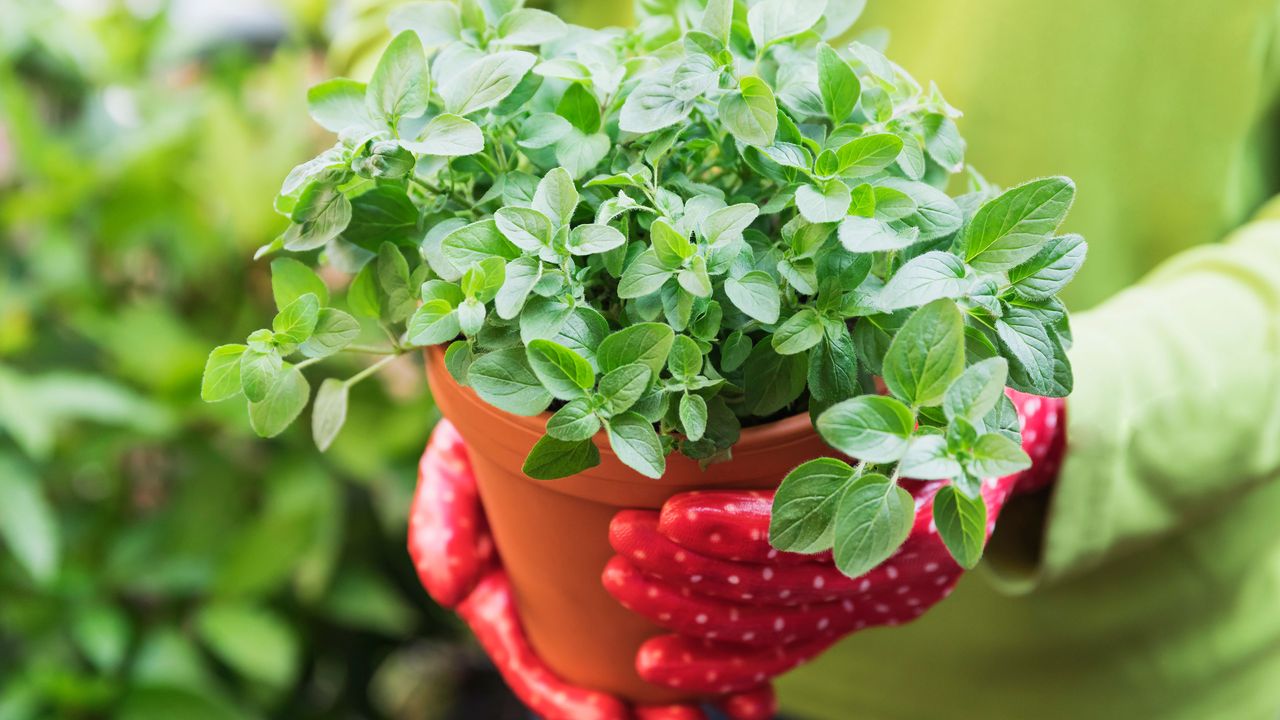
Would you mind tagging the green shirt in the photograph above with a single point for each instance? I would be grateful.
(1149, 587)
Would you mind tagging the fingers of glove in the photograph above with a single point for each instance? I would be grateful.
(449, 539)
(490, 611)
(635, 536)
(732, 525)
(676, 608)
(757, 704)
(694, 665)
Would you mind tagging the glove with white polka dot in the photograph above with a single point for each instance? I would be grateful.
(453, 551)
(742, 612)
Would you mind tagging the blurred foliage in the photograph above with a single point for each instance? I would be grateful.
(156, 559)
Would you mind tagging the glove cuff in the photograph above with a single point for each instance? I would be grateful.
(1044, 438)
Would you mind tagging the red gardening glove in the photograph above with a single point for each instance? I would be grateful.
(454, 554)
(742, 612)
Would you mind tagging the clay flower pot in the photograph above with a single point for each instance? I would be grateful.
(553, 535)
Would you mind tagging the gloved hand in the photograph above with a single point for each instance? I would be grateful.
(742, 613)
(456, 561)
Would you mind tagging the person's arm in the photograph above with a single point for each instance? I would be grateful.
(1175, 414)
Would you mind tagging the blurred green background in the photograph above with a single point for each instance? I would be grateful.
(158, 560)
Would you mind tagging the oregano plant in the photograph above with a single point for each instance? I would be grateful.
(720, 218)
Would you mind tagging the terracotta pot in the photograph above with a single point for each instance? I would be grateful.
(553, 535)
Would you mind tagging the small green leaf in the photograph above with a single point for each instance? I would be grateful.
(1009, 229)
(297, 320)
(321, 214)
(647, 343)
(774, 20)
(750, 113)
(448, 135)
(636, 444)
(485, 82)
(473, 243)
(284, 401)
(258, 371)
(529, 229)
(873, 519)
(527, 26)
(434, 322)
(864, 235)
(552, 459)
(594, 239)
(622, 387)
(575, 421)
(838, 84)
(799, 333)
(505, 380)
(580, 108)
(926, 355)
(457, 360)
(962, 524)
(995, 455)
(685, 360)
(521, 274)
(400, 86)
(338, 104)
(928, 458)
(977, 391)
(1037, 362)
(556, 197)
(873, 428)
(693, 415)
(291, 280)
(1049, 271)
(827, 202)
(804, 508)
(562, 371)
(734, 352)
(329, 412)
(670, 246)
(868, 154)
(772, 381)
(221, 378)
(652, 106)
(362, 294)
(644, 276)
(755, 294)
(923, 279)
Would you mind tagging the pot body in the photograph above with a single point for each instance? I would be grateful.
(553, 535)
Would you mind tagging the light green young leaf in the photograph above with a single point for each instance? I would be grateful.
(653, 106)
(329, 412)
(927, 459)
(962, 524)
(334, 330)
(563, 372)
(873, 519)
(291, 279)
(1049, 271)
(504, 379)
(861, 235)
(574, 422)
(636, 444)
(868, 154)
(321, 214)
(774, 20)
(258, 371)
(338, 104)
(1009, 229)
(221, 378)
(943, 142)
(923, 279)
(873, 428)
(283, 402)
(594, 239)
(838, 83)
(485, 82)
(437, 22)
(717, 19)
(1037, 362)
(685, 359)
(580, 153)
(297, 320)
(670, 246)
(755, 294)
(551, 459)
(527, 26)
(976, 392)
(434, 322)
(623, 386)
(556, 196)
(750, 113)
(727, 224)
(995, 455)
(804, 508)
(827, 202)
(693, 416)
(448, 136)
(646, 343)
(401, 85)
(522, 274)
(799, 333)
(529, 229)
(644, 276)
(476, 242)
(926, 355)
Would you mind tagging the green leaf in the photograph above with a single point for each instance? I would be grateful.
(864, 235)
(338, 104)
(575, 421)
(258, 371)
(321, 214)
(457, 360)
(221, 378)
(685, 360)
(580, 108)
(329, 412)
(833, 371)
(562, 371)
(750, 113)
(297, 320)
(772, 381)
(774, 20)
(1049, 271)
(505, 380)
(362, 294)
(382, 214)
(556, 197)
(868, 154)
(1037, 362)
(927, 458)
(977, 391)
(727, 224)
(281, 405)
(646, 343)
(623, 386)
(527, 26)
(334, 331)
(471, 314)
(872, 428)
(28, 524)
(393, 279)
(485, 82)
(670, 246)
(873, 519)
(253, 641)
(804, 509)
(401, 85)
(838, 84)
(448, 135)
(636, 444)
(543, 317)
(734, 352)
(962, 524)
(434, 322)
(926, 355)
(943, 142)
(644, 276)
(717, 19)
(594, 239)
(551, 459)
(755, 294)
(923, 279)
(652, 106)
(1009, 229)
(291, 280)
(799, 333)
(693, 416)
(995, 455)
(529, 229)
(475, 242)
(522, 274)
(437, 22)
(828, 202)
(580, 153)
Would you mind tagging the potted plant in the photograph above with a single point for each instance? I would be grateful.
(646, 261)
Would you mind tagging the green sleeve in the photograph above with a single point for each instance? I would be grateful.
(1175, 413)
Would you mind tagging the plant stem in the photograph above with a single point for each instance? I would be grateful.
(371, 350)
(369, 370)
